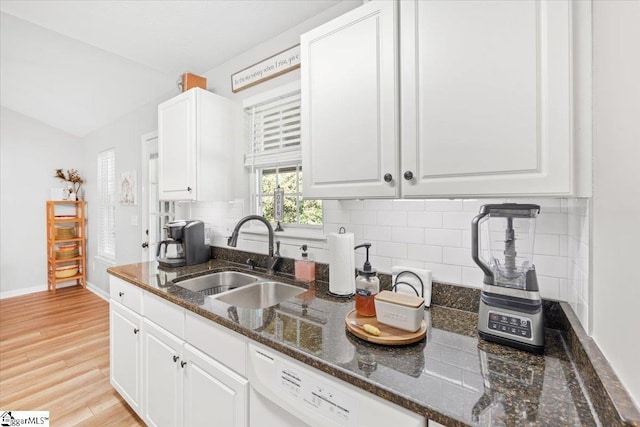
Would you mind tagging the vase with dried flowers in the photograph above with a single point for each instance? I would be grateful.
(73, 178)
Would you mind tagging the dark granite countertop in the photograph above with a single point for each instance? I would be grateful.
(451, 377)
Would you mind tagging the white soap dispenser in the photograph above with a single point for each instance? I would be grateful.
(367, 286)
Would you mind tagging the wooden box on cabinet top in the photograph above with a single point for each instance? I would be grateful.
(195, 147)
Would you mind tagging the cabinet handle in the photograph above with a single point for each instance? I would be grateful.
(388, 177)
(408, 175)
(121, 294)
(175, 358)
(189, 189)
(183, 364)
(136, 330)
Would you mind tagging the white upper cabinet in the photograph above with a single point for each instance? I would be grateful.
(485, 89)
(195, 147)
(349, 105)
(486, 106)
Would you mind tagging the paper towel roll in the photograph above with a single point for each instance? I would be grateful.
(342, 264)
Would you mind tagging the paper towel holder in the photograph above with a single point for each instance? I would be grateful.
(348, 296)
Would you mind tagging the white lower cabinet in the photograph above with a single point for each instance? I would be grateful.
(213, 394)
(163, 377)
(167, 380)
(126, 354)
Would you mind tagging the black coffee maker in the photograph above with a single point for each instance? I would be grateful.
(187, 238)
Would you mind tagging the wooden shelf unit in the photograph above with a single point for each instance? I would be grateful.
(66, 214)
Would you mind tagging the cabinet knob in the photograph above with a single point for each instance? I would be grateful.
(388, 177)
(145, 244)
(120, 294)
(136, 330)
(408, 175)
(175, 358)
(183, 364)
(189, 189)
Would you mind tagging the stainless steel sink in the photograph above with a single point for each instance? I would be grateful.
(260, 295)
(216, 283)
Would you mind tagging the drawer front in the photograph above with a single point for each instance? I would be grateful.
(165, 314)
(223, 345)
(126, 294)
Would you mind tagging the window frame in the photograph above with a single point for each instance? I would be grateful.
(106, 180)
(286, 157)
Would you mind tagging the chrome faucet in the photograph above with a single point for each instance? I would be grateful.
(274, 258)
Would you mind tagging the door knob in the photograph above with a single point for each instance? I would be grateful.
(145, 244)
(408, 175)
(388, 177)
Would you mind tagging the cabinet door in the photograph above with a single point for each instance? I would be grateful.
(163, 378)
(486, 97)
(213, 392)
(176, 147)
(126, 354)
(349, 105)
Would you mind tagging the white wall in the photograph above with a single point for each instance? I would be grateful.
(616, 190)
(30, 152)
(125, 136)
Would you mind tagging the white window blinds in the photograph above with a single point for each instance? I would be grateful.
(107, 204)
(274, 131)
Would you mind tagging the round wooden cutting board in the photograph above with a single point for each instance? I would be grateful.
(388, 334)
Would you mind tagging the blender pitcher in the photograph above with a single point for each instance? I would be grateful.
(502, 244)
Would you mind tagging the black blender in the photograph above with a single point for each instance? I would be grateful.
(510, 305)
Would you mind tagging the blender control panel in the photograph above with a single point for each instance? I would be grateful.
(510, 324)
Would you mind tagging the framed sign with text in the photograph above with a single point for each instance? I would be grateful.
(274, 66)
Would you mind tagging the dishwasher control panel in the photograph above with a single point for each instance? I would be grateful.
(316, 395)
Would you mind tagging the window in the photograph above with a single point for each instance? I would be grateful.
(296, 210)
(106, 204)
(275, 157)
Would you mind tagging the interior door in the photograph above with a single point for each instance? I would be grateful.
(155, 213)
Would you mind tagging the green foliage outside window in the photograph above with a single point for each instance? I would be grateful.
(296, 210)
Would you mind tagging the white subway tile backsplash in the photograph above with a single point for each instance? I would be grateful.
(402, 262)
(472, 276)
(457, 220)
(377, 205)
(436, 234)
(553, 266)
(408, 205)
(424, 253)
(336, 216)
(443, 205)
(407, 235)
(441, 237)
(457, 256)
(392, 250)
(549, 287)
(392, 218)
(424, 219)
(552, 223)
(445, 272)
(547, 244)
(364, 217)
(377, 232)
(352, 205)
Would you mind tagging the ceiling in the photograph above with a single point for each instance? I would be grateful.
(79, 65)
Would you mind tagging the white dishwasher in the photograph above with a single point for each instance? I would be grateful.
(285, 392)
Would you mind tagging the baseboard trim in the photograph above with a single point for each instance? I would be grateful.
(98, 291)
(24, 291)
(32, 290)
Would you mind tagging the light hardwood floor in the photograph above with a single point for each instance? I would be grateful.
(54, 356)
